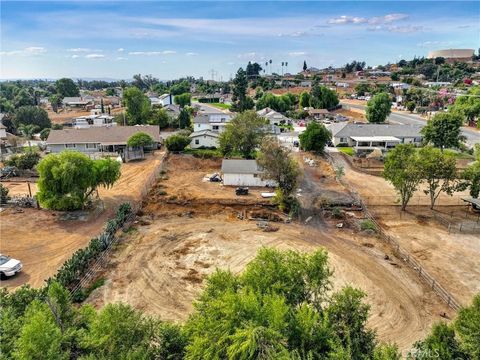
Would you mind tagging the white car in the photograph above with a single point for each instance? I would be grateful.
(9, 266)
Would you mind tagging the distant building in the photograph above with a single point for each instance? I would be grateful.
(76, 102)
(83, 122)
(211, 121)
(453, 55)
(318, 114)
(243, 173)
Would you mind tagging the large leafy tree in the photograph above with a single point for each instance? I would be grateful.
(183, 100)
(243, 134)
(66, 87)
(140, 139)
(443, 130)
(159, 117)
(322, 97)
(253, 70)
(304, 100)
(69, 178)
(471, 178)
(138, 106)
(278, 165)
(402, 170)
(314, 138)
(32, 115)
(378, 108)
(241, 102)
(468, 105)
(184, 120)
(439, 172)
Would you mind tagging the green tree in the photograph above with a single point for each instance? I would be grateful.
(471, 179)
(443, 130)
(304, 99)
(468, 105)
(27, 131)
(177, 142)
(55, 101)
(66, 87)
(440, 344)
(314, 138)
(184, 120)
(32, 115)
(322, 97)
(378, 108)
(278, 165)
(40, 337)
(242, 135)
(180, 88)
(138, 106)
(23, 98)
(305, 65)
(140, 139)
(159, 117)
(183, 100)
(410, 106)
(439, 171)
(402, 170)
(44, 134)
(24, 161)
(241, 102)
(467, 327)
(68, 179)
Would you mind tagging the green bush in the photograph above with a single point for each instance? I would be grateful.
(177, 142)
(368, 224)
(24, 161)
(3, 194)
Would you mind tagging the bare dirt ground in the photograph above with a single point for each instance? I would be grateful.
(452, 258)
(43, 241)
(160, 264)
(65, 116)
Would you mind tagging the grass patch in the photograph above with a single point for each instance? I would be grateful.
(458, 154)
(222, 106)
(346, 150)
(204, 153)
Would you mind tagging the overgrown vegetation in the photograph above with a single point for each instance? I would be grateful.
(315, 137)
(177, 142)
(25, 161)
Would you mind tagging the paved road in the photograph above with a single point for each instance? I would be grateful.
(473, 137)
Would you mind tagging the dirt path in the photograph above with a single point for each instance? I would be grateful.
(43, 241)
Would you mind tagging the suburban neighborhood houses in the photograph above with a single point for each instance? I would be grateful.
(240, 180)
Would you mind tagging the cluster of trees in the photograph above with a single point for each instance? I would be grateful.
(354, 66)
(468, 106)
(280, 307)
(68, 179)
(282, 103)
(435, 69)
(407, 168)
(26, 161)
(241, 101)
(320, 97)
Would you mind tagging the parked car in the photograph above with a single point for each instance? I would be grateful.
(9, 266)
(241, 191)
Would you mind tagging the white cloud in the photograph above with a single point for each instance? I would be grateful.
(120, 49)
(191, 54)
(75, 56)
(80, 50)
(397, 29)
(377, 20)
(294, 34)
(120, 58)
(431, 44)
(297, 53)
(94, 56)
(28, 51)
(152, 53)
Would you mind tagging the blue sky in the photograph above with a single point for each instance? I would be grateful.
(107, 39)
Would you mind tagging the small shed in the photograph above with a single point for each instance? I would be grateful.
(238, 172)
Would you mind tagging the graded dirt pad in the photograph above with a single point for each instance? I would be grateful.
(42, 241)
(160, 267)
(453, 259)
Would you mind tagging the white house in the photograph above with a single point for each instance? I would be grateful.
(83, 122)
(211, 121)
(374, 136)
(166, 99)
(274, 117)
(243, 173)
(204, 139)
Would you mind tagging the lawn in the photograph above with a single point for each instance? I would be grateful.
(347, 150)
(458, 154)
(221, 105)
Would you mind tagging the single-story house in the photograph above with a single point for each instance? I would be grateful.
(87, 121)
(274, 117)
(371, 136)
(98, 139)
(318, 114)
(76, 101)
(243, 173)
(204, 138)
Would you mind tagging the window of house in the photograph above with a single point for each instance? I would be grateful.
(91, 146)
(197, 142)
(255, 175)
(215, 127)
(69, 146)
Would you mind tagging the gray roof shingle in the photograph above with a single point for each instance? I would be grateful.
(378, 130)
(236, 166)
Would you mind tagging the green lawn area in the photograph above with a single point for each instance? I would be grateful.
(458, 154)
(220, 105)
(346, 150)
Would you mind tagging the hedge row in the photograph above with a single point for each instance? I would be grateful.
(75, 268)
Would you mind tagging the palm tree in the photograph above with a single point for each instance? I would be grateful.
(266, 64)
(270, 61)
(27, 131)
(282, 67)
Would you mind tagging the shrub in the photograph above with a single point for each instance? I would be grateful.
(368, 224)
(140, 139)
(3, 194)
(24, 161)
(177, 142)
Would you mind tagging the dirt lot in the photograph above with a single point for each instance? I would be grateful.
(43, 241)
(452, 258)
(160, 264)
